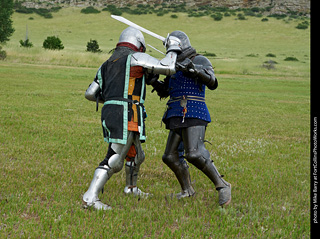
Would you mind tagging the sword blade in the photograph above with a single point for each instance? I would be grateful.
(129, 23)
(156, 49)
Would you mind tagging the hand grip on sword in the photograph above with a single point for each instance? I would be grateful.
(187, 66)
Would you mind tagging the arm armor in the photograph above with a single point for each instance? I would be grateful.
(201, 69)
(206, 76)
(93, 91)
(166, 66)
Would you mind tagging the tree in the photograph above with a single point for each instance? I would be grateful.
(26, 43)
(53, 43)
(93, 46)
(6, 29)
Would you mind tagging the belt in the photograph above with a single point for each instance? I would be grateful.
(126, 100)
(186, 97)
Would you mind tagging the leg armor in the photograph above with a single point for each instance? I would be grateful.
(113, 163)
(199, 156)
(180, 168)
(90, 198)
(132, 172)
(135, 158)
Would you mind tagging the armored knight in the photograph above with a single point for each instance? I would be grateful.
(187, 116)
(120, 84)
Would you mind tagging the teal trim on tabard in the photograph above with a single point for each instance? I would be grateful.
(127, 77)
(125, 121)
(142, 137)
(105, 127)
(100, 78)
(141, 129)
(142, 90)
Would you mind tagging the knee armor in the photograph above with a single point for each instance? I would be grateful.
(198, 158)
(169, 159)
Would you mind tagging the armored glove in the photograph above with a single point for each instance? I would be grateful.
(173, 43)
(188, 67)
(151, 78)
(203, 74)
(159, 86)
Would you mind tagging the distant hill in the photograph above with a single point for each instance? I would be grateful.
(273, 6)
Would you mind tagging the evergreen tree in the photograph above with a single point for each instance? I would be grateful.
(6, 29)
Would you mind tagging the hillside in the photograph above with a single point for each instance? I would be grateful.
(51, 139)
(274, 6)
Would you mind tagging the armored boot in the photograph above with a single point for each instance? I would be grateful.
(90, 198)
(222, 186)
(183, 176)
(181, 171)
(199, 156)
(132, 172)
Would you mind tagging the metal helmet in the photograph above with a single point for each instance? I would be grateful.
(133, 36)
(184, 39)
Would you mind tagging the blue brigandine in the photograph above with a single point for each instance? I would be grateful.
(180, 86)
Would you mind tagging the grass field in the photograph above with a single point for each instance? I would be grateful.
(51, 139)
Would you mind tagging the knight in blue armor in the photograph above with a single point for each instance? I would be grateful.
(187, 116)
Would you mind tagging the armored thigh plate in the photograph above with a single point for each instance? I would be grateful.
(196, 153)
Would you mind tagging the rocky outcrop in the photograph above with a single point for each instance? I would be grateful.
(275, 6)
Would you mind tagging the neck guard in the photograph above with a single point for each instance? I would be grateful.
(187, 53)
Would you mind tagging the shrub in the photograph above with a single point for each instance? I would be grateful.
(217, 16)
(113, 10)
(291, 58)
(44, 12)
(278, 16)
(270, 55)
(3, 54)
(89, 10)
(252, 55)
(25, 10)
(53, 43)
(26, 43)
(93, 46)
(160, 14)
(241, 16)
(248, 12)
(255, 9)
(303, 25)
(264, 19)
(174, 16)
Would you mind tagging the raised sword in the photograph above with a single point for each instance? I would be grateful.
(129, 23)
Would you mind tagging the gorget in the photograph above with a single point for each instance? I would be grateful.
(187, 53)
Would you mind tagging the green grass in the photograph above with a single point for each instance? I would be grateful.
(51, 139)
